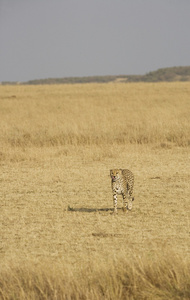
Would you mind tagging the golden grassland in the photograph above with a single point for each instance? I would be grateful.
(58, 237)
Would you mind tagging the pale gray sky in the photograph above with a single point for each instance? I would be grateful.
(63, 38)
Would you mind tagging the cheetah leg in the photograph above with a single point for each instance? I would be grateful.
(125, 204)
(115, 203)
(130, 199)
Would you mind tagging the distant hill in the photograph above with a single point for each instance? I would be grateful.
(165, 74)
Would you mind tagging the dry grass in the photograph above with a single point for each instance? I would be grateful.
(58, 239)
(95, 114)
(156, 278)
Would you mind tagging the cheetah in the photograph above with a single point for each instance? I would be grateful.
(122, 181)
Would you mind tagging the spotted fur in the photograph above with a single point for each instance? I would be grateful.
(122, 182)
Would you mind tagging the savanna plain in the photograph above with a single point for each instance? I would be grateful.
(58, 236)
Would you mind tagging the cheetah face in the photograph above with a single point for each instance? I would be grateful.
(115, 174)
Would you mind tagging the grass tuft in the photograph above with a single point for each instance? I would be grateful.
(161, 277)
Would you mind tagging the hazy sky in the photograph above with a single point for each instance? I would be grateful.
(63, 38)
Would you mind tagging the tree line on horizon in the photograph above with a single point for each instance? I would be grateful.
(160, 75)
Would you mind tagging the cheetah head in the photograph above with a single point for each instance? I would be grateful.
(115, 174)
